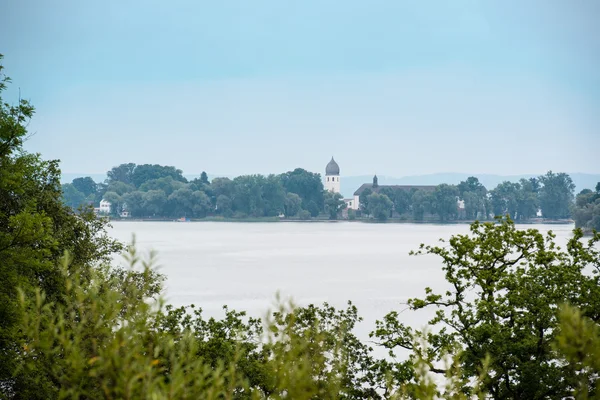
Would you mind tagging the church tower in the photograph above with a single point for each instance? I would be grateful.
(332, 176)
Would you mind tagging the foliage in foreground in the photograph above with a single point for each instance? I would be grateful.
(505, 289)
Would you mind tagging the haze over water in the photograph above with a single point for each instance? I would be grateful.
(243, 265)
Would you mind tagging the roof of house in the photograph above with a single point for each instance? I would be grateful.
(365, 186)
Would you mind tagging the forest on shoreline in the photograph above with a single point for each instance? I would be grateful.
(159, 192)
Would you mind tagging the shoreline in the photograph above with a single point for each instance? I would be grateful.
(364, 221)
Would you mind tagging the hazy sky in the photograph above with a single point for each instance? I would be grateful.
(231, 87)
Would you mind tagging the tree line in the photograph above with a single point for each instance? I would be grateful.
(552, 194)
(162, 191)
(519, 318)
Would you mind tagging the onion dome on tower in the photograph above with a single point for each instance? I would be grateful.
(332, 168)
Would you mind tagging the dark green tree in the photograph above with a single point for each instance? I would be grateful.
(201, 204)
(204, 178)
(134, 202)
(72, 197)
(86, 185)
(421, 203)
(445, 200)
(313, 209)
(145, 172)
(167, 184)
(36, 229)
(363, 200)
(307, 185)
(122, 173)
(181, 203)
(155, 202)
(293, 204)
(334, 204)
(224, 205)
(527, 199)
(556, 195)
(504, 199)
(379, 206)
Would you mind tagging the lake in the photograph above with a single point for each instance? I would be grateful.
(244, 265)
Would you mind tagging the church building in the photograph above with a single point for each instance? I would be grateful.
(332, 182)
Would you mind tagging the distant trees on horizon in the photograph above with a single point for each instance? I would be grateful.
(152, 190)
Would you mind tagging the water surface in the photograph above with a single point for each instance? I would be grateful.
(244, 265)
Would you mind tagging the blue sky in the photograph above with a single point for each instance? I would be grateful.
(232, 87)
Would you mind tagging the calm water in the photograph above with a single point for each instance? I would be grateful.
(244, 265)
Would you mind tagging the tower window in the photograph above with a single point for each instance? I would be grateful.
(327, 179)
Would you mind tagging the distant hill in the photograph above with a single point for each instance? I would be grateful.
(351, 183)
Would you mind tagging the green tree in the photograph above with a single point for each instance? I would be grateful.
(36, 228)
(474, 195)
(313, 209)
(505, 289)
(182, 202)
(155, 202)
(224, 205)
(421, 203)
(363, 199)
(145, 172)
(586, 210)
(274, 196)
(119, 188)
(380, 206)
(556, 195)
(122, 173)
(334, 204)
(307, 185)
(86, 185)
(293, 204)
(167, 184)
(402, 201)
(71, 196)
(527, 199)
(201, 204)
(134, 202)
(445, 201)
(116, 202)
(204, 178)
(504, 199)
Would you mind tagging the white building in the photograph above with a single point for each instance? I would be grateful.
(104, 207)
(332, 176)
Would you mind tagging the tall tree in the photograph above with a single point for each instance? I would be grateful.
(293, 204)
(380, 206)
(145, 172)
(556, 195)
(155, 202)
(334, 204)
(204, 178)
(71, 196)
(421, 203)
(527, 199)
(86, 185)
(363, 200)
(36, 229)
(445, 201)
(505, 288)
(122, 173)
(504, 199)
(307, 185)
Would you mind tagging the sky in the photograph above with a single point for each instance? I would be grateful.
(393, 87)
